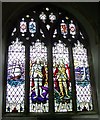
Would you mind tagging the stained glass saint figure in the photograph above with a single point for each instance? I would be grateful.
(38, 78)
(62, 84)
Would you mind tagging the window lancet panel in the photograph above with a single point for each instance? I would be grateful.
(39, 101)
(15, 77)
(82, 78)
(61, 73)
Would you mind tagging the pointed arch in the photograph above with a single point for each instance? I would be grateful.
(60, 33)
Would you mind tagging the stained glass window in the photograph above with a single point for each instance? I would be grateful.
(53, 45)
(38, 78)
(82, 78)
(61, 73)
(15, 77)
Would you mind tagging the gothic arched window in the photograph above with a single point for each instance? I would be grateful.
(47, 64)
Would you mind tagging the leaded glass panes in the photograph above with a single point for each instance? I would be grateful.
(15, 78)
(61, 78)
(82, 78)
(38, 78)
(49, 25)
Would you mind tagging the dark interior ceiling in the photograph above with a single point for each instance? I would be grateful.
(87, 8)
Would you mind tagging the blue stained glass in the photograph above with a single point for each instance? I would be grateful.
(82, 73)
(15, 77)
(15, 83)
(32, 27)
